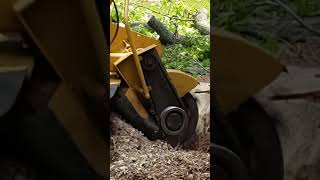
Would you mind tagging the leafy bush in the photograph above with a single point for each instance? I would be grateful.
(182, 57)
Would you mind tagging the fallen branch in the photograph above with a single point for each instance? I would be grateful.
(166, 37)
(298, 18)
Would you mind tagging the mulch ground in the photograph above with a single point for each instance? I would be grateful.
(134, 157)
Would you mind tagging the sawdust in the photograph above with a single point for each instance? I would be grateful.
(133, 156)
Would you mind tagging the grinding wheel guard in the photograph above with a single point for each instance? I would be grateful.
(242, 73)
(182, 82)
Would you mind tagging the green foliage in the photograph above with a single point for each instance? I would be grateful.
(229, 13)
(181, 57)
(307, 7)
(168, 12)
(139, 11)
(272, 45)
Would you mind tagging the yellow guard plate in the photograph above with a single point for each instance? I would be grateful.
(240, 69)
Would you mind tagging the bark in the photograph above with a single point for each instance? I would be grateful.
(166, 37)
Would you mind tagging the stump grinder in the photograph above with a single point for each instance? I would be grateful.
(153, 99)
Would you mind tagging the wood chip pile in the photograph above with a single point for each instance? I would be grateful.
(133, 156)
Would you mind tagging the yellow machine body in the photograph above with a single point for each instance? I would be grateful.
(122, 65)
(149, 93)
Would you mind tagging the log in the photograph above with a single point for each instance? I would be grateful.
(202, 22)
(166, 37)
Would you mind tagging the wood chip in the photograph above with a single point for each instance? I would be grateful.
(133, 156)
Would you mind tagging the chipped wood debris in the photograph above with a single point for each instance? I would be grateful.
(134, 157)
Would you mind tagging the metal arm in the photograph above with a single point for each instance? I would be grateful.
(134, 51)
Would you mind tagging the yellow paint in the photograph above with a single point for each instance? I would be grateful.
(8, 19)
(183, 82)
(136, 103)
(240, 69)
(76, 51)
(114, 57)
(16, 59)
(70, 110)
(114, 81)
(141, 41)
(126, 68)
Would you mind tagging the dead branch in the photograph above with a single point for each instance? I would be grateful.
(298, 18)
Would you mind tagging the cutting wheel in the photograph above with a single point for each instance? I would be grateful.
(184, 136)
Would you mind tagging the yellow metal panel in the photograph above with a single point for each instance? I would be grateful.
(125, 66)
(240, 69)
(11, 59)
(183, 82)
(114, 81)
(141, 41)
(127, 69)
(71, 111)
(136, 103)
(114, 57)
(8, 19)
(62, 32)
